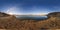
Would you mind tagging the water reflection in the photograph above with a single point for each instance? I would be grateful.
(31, 17)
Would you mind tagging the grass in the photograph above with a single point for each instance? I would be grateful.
(12, 23)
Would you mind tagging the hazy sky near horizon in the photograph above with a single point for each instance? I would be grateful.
(29, 6)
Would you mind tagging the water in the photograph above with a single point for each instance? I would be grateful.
(25, 17)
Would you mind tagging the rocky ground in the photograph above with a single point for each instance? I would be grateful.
(9, 22)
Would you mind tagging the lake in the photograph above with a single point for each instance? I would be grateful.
(29, 17)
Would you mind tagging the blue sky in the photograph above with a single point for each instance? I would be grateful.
(30, 6)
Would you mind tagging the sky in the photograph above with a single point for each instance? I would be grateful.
(29, 6)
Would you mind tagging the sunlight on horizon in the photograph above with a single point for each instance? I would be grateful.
(14, 11)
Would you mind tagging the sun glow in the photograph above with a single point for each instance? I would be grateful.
(11, 10)
(11, 13)
(14, 11)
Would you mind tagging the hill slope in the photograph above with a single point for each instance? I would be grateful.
(10, 22)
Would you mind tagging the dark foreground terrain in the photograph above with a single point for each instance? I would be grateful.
(10, 22)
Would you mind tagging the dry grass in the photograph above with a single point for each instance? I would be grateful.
(11, 23)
